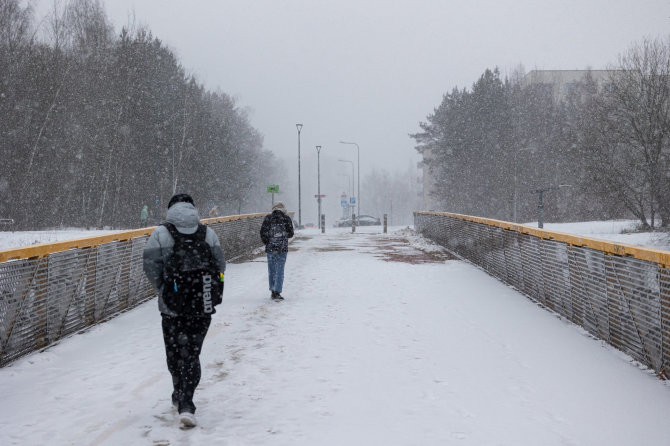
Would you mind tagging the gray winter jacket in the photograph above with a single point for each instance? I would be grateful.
(159, 247)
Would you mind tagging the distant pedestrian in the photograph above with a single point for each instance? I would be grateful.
(276, 229)
(184, 262)
(144, 215)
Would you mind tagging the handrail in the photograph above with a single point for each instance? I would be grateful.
(658, 256)
(45, 249)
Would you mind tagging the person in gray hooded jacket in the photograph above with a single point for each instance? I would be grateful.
(183, 334)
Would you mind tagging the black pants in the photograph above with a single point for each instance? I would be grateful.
(183, 338)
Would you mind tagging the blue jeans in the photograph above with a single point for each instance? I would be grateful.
(276, 262)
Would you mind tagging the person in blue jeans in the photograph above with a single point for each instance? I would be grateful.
(276, 229)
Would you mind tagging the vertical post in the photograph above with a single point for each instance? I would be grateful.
(540, 206)
(358, 162)
(385, 223)
(318, 176)
(38, 310)
(540, 209)
(299, 127)
(353, 223)
(323, 223)
(664, 277)
(273, 199)
(515, 190)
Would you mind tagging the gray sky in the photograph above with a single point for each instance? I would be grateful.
(370, 70)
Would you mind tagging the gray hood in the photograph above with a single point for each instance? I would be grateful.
(184, 216)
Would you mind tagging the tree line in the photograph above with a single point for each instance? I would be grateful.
(495, 144)
(94, 125)
(392, 193)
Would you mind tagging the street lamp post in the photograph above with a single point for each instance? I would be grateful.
(352, 174)
(299, 127)
(358, 161)
(540, 204)
(318, 176)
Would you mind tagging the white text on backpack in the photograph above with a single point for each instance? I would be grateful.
(207, 293)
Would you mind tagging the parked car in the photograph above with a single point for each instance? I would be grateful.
(362, 220)
(342, 223)
(367, 220)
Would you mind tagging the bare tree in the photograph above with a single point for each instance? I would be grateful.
(629, 132)
(15, 25)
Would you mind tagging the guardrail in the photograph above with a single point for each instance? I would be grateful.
(50, 291)
(618, 293)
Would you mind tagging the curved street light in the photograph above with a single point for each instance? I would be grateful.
(358, 156)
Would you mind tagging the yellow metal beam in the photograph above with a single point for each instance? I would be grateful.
(621, 249)
(45, 249)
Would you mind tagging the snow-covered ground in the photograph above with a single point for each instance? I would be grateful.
(377, 343)
(18, 239)
(618, 231)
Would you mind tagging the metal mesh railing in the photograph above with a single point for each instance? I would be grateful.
(618, 293)
(50, 291)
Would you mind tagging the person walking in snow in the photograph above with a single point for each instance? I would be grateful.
(184, 262)
(144, 215)
(276, 229)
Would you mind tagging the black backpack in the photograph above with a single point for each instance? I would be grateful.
(193, 285)
(278, 237)
(278, 232)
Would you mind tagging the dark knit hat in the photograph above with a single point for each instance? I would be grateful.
(180, 198)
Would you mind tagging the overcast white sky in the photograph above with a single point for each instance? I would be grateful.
(369, 71)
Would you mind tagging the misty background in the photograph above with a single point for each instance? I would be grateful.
(367, 72)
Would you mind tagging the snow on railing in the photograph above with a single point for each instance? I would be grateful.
(52, 290)
(618, 293)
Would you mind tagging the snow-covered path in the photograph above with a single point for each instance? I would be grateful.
(377, 343)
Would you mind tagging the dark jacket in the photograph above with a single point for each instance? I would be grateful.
(276, 229)
(159, 247)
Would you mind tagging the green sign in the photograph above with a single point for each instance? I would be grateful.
(273, 189)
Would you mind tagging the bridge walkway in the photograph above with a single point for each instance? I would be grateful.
(383, 339)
